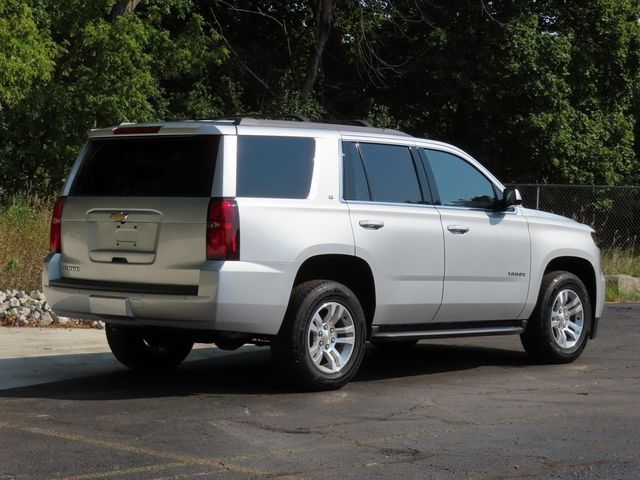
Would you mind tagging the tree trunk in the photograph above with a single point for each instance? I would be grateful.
(123, 7)
(324, 17)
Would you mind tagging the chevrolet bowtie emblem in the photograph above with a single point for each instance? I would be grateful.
(120, 217)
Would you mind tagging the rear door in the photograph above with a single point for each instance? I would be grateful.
(396, 228)
(136, 210)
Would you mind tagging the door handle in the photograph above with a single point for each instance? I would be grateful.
(371, 224)
(459, 229)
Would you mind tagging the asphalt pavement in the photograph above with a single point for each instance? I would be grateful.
(450, 409)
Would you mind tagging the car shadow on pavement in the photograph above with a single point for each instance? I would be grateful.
(246, 371)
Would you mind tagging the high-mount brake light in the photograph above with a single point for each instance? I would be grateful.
(223, 230)
(55, 237)
(135, 130)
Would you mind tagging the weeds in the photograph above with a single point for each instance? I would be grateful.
(24, 238)
(612, 294)
(618, 261)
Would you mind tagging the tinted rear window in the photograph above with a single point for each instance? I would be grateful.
(274, 167)
(390, 173)
(148, 167)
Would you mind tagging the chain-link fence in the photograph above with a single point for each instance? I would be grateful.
(614, 212)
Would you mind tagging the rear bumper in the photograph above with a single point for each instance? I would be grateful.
(240, 297)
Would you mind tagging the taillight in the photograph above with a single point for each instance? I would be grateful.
(223, 230)
(55, 237)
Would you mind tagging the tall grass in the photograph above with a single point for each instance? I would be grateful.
(619, 261)
(24, 241)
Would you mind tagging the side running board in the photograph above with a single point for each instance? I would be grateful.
(446, 330)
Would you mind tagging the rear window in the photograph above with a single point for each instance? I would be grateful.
(274, 167)
(390, 173)
(148, 167)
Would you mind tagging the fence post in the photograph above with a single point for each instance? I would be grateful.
(538, 198)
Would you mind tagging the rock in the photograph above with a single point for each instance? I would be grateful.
(3, 296)
(14, 302)
(45, 320)
(54, 317)
(22, 321)
(20, 294)
(626, 284)
(35, 315)
(23, 300)
(63, 320)
(24, 311)
(12, 312)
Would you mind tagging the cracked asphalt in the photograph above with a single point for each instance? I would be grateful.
(449, 409)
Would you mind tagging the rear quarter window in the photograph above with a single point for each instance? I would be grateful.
(274, 167)
(150, 167)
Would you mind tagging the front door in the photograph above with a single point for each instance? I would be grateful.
(487, 252)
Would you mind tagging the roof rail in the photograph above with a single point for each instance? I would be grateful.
(301, 120)
(294, 117)
(354, 122)
(237, 119)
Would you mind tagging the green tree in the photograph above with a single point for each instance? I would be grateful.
(26, 54)
(539, 91)
(138, 63)
(545, 90)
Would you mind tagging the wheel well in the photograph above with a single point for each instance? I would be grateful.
(351, 271)
(581, 268)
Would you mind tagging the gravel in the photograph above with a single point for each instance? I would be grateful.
(21, 309)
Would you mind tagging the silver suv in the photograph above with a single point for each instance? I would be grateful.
(313, 238)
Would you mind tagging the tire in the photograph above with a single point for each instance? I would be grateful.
(394, 346)
(321, 310)
(558, 329)
(147, 351)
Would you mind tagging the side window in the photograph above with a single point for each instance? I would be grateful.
(274, 167)
(459, 183)
(355, 180)
(390, 173)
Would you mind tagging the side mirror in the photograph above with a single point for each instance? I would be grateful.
(510, 197)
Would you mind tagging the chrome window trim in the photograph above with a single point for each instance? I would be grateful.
(374, 142)
(426, 145)
(511, 209)
(390, 204)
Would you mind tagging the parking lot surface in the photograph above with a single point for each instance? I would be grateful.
(449, 409)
